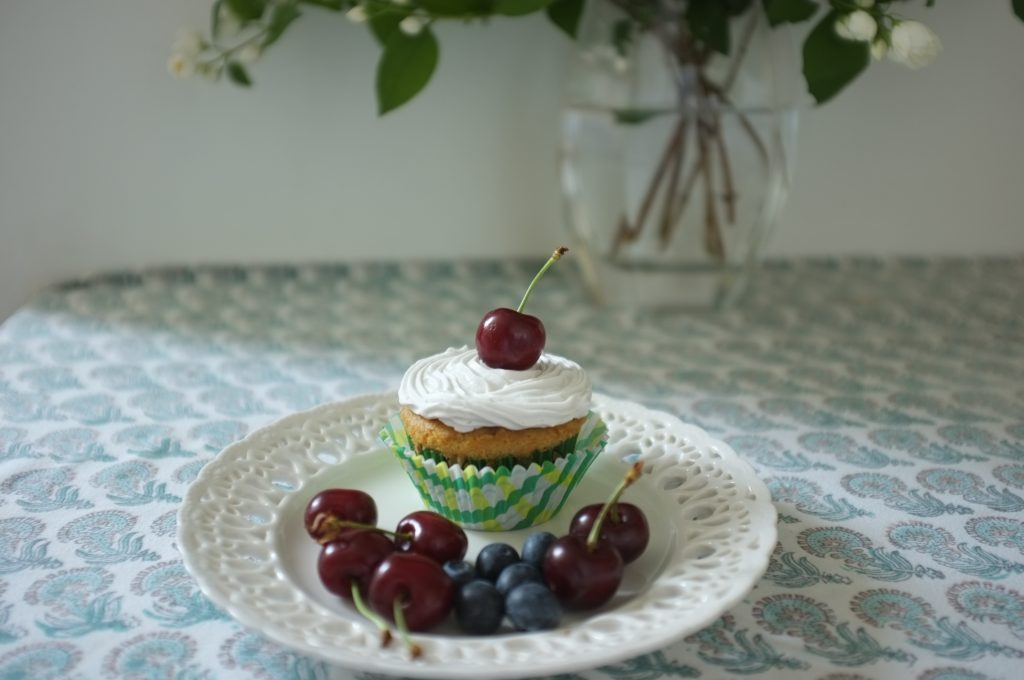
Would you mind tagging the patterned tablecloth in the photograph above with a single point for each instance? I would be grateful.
(882, 403)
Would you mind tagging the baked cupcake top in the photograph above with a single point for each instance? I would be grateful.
(458, 389)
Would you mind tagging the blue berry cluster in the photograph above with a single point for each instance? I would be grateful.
(504, 584)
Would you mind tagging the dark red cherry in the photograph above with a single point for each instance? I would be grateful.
(432, 535)
(419, 586)
(508, 339)
(625, 528)
(331, 506)
(353, 557)
(582, 576)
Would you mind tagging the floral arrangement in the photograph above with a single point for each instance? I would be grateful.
(701, 42)
(846, 34)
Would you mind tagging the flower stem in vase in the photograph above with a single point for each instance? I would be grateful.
(702, 104)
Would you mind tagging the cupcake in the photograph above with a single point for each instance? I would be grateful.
(495, 448)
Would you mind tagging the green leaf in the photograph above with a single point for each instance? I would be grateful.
(405, 68)
(215, 19)
(709, 23)
(789, 11)
(831, 63)
(454, 8)
(737, 7)
(247, 10)
(1018, 9)
(238, 74)
(635, 116)
(622, 36)
(566, 15)
(333, 5)
(385, 24)
(515, 8)
(280, 18)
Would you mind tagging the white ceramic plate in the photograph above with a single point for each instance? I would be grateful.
(241, 533)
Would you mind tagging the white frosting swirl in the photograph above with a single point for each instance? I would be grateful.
(463, 392)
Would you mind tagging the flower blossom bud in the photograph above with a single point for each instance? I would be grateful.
(180, 66)
(913, 44)
(411, 25)
(228, 24)
(249, 53)
(879, 48)
(858, 26)
(188, 42)
(357, 15)
(209, 72)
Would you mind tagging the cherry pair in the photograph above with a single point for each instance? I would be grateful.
(585, 567)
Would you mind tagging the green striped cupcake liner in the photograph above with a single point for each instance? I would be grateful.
(499, 499)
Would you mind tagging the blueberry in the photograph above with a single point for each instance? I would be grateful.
(532, 606)
(536, 546)
(479, 607)
(493, 559)
(460, 571)
(515, 575)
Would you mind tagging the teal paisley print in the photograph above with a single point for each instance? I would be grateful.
(132, 483)
(106, 537)
(176, 602)
(971, 487)
(823, 636)
(916, 619)
(918, 446)
(740, 651)
(41, 661)
(859, 555)
(989, 602)
(771, 453)
(9, 630)
(895, 494)
(881, 401)
(78, 602)
(789, 570)
(45, 490)
(808, 498)
(256, 655)
(998, 531)
(155, 656)
(846, 450)
(22, 547)
(947, 551)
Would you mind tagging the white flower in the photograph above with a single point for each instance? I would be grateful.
(209, 72)
(180, 66)
(411, 25)
(188, 43)
(227, 23)
(357, 14)
(864, 4)
(249, 53)
(879, 48)
(858, 26)
(913, 44)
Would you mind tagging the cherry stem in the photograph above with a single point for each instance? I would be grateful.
(369, 615)
(333, 525)
(415, 651)
(555, 257)
(634, 473)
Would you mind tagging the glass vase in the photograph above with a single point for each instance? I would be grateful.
(675, 159)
